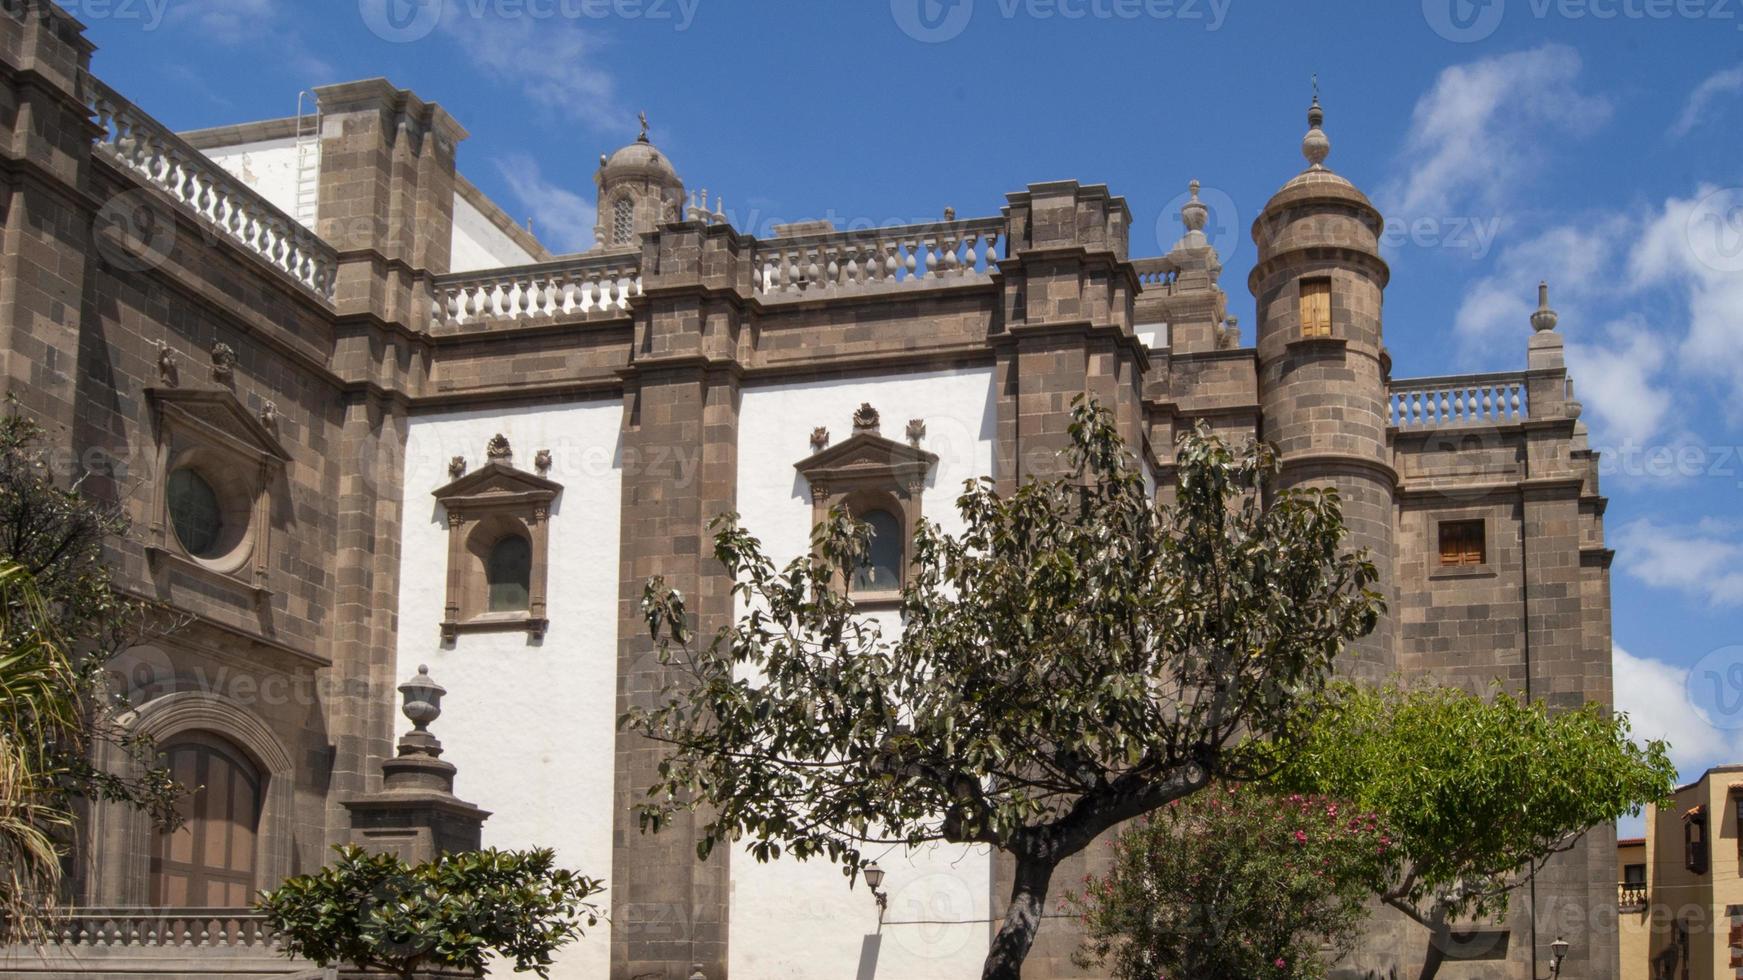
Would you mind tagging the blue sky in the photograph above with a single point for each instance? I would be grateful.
(1591, 142)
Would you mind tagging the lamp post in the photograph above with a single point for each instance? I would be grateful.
(1557, 951)
(874, 878)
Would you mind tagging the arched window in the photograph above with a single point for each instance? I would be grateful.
(208, 862)
(623, 221)
(509, 573)
(882, 569)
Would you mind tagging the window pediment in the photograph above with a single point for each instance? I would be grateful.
(215, 414)
(497, 484)
(867, 457)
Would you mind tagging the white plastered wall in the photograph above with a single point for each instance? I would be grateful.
(268, 167)
(531, 726)
(800, 920)
(479, 244)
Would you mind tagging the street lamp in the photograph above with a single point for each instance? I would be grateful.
(874, 878)
(1557, 950)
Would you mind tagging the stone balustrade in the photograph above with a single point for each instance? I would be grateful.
(572, 286)
(163, 929)
(1630, 897)
(910, 255)
(1475, 399)
(141, 144)
(1157, 274)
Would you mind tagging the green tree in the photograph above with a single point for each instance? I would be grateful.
(1078, 656)
(457, 912)
(1234, 884)
(62, 620)
(1479, 792)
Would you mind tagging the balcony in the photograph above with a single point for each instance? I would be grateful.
(1630, 897)
(217, 942)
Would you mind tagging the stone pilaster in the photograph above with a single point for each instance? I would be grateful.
(681, 393)
(47, 216)
(386, 204)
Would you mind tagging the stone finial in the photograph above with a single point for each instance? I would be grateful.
(542, 461)
(866, 419)
(1230, 336)
(949, 215)
(1315, 146)
(696, 972)
(422, 699)
(223, 362)
(820, 438)
(1193, 214)
(1545, 318)
(498, 449)
(167, 371)
(916, 432)
(457, 467)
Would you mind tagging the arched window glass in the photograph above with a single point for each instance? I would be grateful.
(623, 222)
(208, 861)
(509, 572)
(882, 569)
(194, 512)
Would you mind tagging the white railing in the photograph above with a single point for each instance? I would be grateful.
(1476, 399)
(583, 285)
(140, 143)
(164, 929)
(911, 255)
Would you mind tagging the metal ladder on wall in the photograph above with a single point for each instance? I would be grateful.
(308, 144)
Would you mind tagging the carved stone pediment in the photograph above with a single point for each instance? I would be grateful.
(216, 414)
(497, 484)
(867, 458)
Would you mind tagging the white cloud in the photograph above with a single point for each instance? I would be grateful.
(1479, 131)
(1692, 245)
(229, 21)
(553, 61)
(1655, 696)
(1703, 560)
(1617, 380)
(1694, 111)
(1578, 261)
(564, 220)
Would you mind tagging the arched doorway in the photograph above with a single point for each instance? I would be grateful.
(209, 861)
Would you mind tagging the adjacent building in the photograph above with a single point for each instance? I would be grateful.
(1681, 887)
(364, 423)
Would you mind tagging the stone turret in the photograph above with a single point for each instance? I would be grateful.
(638, 191)
(1319, 285)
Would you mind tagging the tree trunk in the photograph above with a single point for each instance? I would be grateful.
(1439, 938)
(1004, 961)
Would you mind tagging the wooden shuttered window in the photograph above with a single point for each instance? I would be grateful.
(1462, 543)
(1316, 307)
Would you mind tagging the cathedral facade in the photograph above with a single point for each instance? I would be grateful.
(365, 424)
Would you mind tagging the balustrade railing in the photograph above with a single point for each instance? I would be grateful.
(164, 929)
(1630, 897)
(1477, 399)
(586, 284)
(1156, 274)
(140, 143)
(911, 255)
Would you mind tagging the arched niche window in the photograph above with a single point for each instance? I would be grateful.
(209, 860)
(498, 543)
(880, 482)
(508, 574)
(882, 570)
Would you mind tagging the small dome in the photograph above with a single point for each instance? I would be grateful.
(639, 159)
(1317, 181)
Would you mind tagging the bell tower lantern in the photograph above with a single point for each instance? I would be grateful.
(638, 191)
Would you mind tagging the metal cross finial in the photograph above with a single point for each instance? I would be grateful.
(1316, 88)
(643, 116)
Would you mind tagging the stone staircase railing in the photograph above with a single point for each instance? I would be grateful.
(873, 258)
(1474, 399)
(574, 285)
(136, 141)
